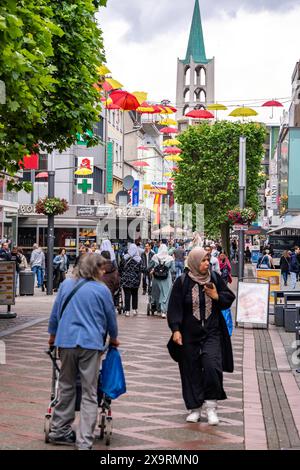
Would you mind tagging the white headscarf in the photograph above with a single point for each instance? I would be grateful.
(163, 255)
(107, 246)
(133, 252)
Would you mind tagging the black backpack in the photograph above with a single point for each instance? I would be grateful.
(161, 271)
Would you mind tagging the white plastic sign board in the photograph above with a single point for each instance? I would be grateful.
(253, 303)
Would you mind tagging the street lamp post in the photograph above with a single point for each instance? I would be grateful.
(242, 200)
(50, 237)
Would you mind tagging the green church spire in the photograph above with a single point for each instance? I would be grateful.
(196, 46)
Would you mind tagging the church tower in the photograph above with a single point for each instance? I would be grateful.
(195, 73)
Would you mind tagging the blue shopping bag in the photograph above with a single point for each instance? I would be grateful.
(228, 319)
(112, 378)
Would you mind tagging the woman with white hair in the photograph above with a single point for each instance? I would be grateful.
(162, 265)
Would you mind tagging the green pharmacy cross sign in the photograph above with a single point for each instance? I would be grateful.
(85, 186)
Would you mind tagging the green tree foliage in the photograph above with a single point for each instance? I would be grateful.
(209, 172)
(49, 51)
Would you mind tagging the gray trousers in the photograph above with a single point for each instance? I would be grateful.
(87, 363)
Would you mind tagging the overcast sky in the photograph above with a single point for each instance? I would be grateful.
(255, 44)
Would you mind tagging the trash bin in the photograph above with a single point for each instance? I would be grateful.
(26, 283)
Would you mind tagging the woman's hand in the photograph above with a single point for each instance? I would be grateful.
(212, 293)
(177, 338)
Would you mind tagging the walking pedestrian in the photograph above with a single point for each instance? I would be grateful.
(37, 264)
(16, 257)
(161, 266)
(214, 262)
(225, 268)
(111, 277)
(5, 254)
(200, 335)
(146, 258)
(130, 272)
(285, 266)
(107, 246)
(61, 266)
(294, 267)
(179, 256)
(79, 334)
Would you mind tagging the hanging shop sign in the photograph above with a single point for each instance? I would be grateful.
(135, 195)
(82, 138)
(109, 168)
(85, 186)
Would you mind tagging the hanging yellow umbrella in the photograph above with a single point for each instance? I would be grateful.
(217, 107)
(141, 96)
(168, 175)
(243, 112)
(174, 158)
(171, 142)
(168, 122)
(115, 85)
(103, 70)
(83, 172)
(167, 110)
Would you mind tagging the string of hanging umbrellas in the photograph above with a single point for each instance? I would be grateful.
(115, 98)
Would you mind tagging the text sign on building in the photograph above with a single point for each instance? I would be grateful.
(109, 168)
(86, 211)
(7, 282)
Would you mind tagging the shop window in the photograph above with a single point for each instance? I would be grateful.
(98, 180)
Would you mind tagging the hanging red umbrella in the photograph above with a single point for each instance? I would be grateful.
(173, 150)
(272, 104)
(125, 100)
(200, 114)
(169, 130)
(139, 163)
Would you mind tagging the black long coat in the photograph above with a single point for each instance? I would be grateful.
(179, 319)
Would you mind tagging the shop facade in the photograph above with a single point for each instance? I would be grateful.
(8, 215)
(81, 225)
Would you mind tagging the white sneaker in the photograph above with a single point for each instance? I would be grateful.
(194, 416)
(211, 410)
(127, 314)
(163, 315)
(135, 313)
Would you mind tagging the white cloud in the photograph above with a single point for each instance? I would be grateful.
(255, 55)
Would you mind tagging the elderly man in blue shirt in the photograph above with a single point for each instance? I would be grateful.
(82, 316)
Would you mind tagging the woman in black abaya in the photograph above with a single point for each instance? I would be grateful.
(201, 336)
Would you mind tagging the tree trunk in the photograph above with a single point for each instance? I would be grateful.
(225, 234)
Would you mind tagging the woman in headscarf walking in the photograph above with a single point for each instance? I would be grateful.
(161, 266)
(107, 246)
(131, 272)
(200, 336)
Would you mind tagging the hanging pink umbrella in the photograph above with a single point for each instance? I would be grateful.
(169, 130)
(173, 150)
(143, 147)
(44, 174)
(200, 114)
(140, 164)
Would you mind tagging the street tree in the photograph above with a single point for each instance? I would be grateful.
(49, 54)
(209, 172)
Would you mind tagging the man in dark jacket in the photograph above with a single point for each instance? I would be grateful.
(294, 267)
(146, 258)
(5, 254)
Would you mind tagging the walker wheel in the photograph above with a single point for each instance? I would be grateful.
(102, 426)
(108, 430)
(47, 428)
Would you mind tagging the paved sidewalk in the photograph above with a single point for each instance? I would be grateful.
(261, 412)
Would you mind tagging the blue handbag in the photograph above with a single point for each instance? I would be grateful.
(112, 378)
(228, 319)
